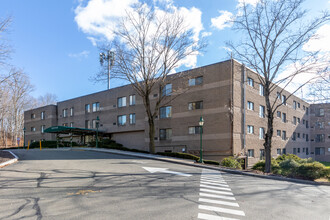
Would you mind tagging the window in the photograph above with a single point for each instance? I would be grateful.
(195, 81)
(250, 81)
(250, 129)
(303, 150)
(87, 108)
(121, 120)
(298, 150)
(307, 126)
(304, 107)
(261, 111)
(294, 104)
(319, 151)
(284, 99)
(306, 150)
(165, 134)
(278, 94)
(71, 111)
(320, 112)
(121, 102)
(261, 133)
(42, 116)
(65, 124)
(65, 113)
(262, 154)
(71, 124)
(33, 129)
(96, 106)
(283, 151)
(294, 120)
(304, 121)
(294, 150)
(132, 100)
(298, 104)
(250, 105)
(319, 138)
(284, 117)
(284, 135)
(165, 112)
(87, 124)
(250, 153)
(94, 122)
(33, 116)
(278, 114)
(42, 128)
(294, 136)
(319, 124)
(194, 130)
(278, 133)
(306, 110)
(307, 138)
(303, 135)
(132, 118)
(298, 135)
(298, 120)
(261, 90)
(195, 105)
(278, 151)
(167, 90)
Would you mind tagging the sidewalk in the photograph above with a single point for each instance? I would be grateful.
(7, 157)
(212, 167)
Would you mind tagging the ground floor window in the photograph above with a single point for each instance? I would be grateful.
(250, 153)
(262, 154)
(279, 151)
(165, 134)
(319, 151)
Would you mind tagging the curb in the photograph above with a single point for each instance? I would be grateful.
(190, 163)
(9, 161)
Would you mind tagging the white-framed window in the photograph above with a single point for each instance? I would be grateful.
(250, 82)
(167, 90)
(320, 112)
(96, 106)
(165, 134)
(261, 90)
(33, 129)
(165, 112)
(261, 133)
(42, 128)
(121, 120)
(132, 118)
(87, 108)
(65, 113)
(250, 153)
(195, 81)
(42, 116)
(195, 105)
(298, 120)
(33, 116)
(261, 111)
(132, 100)
(194, 130)
(250, 105)
(71, 111)
(250, 129)
(94, 122)
(121, 102)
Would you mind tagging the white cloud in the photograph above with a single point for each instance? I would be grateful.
(227, 49)
(83, 54)
(93, 40)
(247, 2)
(223, 20)
(206, 34)
(320, 41)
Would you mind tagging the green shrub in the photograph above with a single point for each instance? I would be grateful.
(275, 168)
(179, 155)
(289, 167)
(311, 171)
(211, 162)
(284, 157)
(309, 160)
(52, 144)
(231, 162)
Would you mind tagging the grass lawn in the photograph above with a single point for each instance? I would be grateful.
(327, 164)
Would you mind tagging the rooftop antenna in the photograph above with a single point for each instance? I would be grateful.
(109, 57)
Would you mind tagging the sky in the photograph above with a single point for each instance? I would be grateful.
(55, 41)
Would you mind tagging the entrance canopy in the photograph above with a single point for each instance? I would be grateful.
(71, 130)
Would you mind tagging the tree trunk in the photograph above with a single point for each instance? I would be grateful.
(269, 133)
(151, 135)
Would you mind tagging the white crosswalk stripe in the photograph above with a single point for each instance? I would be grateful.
(214, 195)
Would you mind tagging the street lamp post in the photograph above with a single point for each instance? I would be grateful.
(201, 123)
(110, 58)
(97, 131)
(24, 129)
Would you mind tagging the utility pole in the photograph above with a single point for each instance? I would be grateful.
(110, 58)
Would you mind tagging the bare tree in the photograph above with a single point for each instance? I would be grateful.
(4, 47)
(149, 47)
(319, 91)
(273, 33)
(47, 99)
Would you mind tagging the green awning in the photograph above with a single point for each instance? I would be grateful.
(71, 130)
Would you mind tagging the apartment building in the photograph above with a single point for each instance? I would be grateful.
(320, 132)
(227, 95)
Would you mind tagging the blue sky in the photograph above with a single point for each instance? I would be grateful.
(53, 39)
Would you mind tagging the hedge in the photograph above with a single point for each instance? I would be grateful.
(52, 144)
(179, 155)
(231, 162)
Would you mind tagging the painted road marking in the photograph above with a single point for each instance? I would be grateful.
(164, 170)
(214, 195)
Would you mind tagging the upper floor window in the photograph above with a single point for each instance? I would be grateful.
(42, 128)
(294, 136)
(167, 90)
(71, 111)
(122, 120)
(132, 118)
(298, 120)
(165, 134)
(121, 102)
(278, 94)
(319, 124)
(65, 113)
(261, 133)
(261, 90)
(33, 129)
(250, 81)
(33, 116)
(278, 133)
(294, 104)
(96, 106)
(320, 112)
(250, 105)
(195, 81)
(261, 111)
(278, 114)
(307, 138)
(283, 99)
(132, 100)
(195, 105)
(194, 130)
(250, 129)
(284, 135)
(319, 138)
(165, 112)
(42, 115)
(298, 104)
(304, 107)
(306, 110)
(284, 117)
(319, 151)
(87, 108)
(294, 120)
(307, 126)
(250, 153)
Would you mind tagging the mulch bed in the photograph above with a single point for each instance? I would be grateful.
(5, 156)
